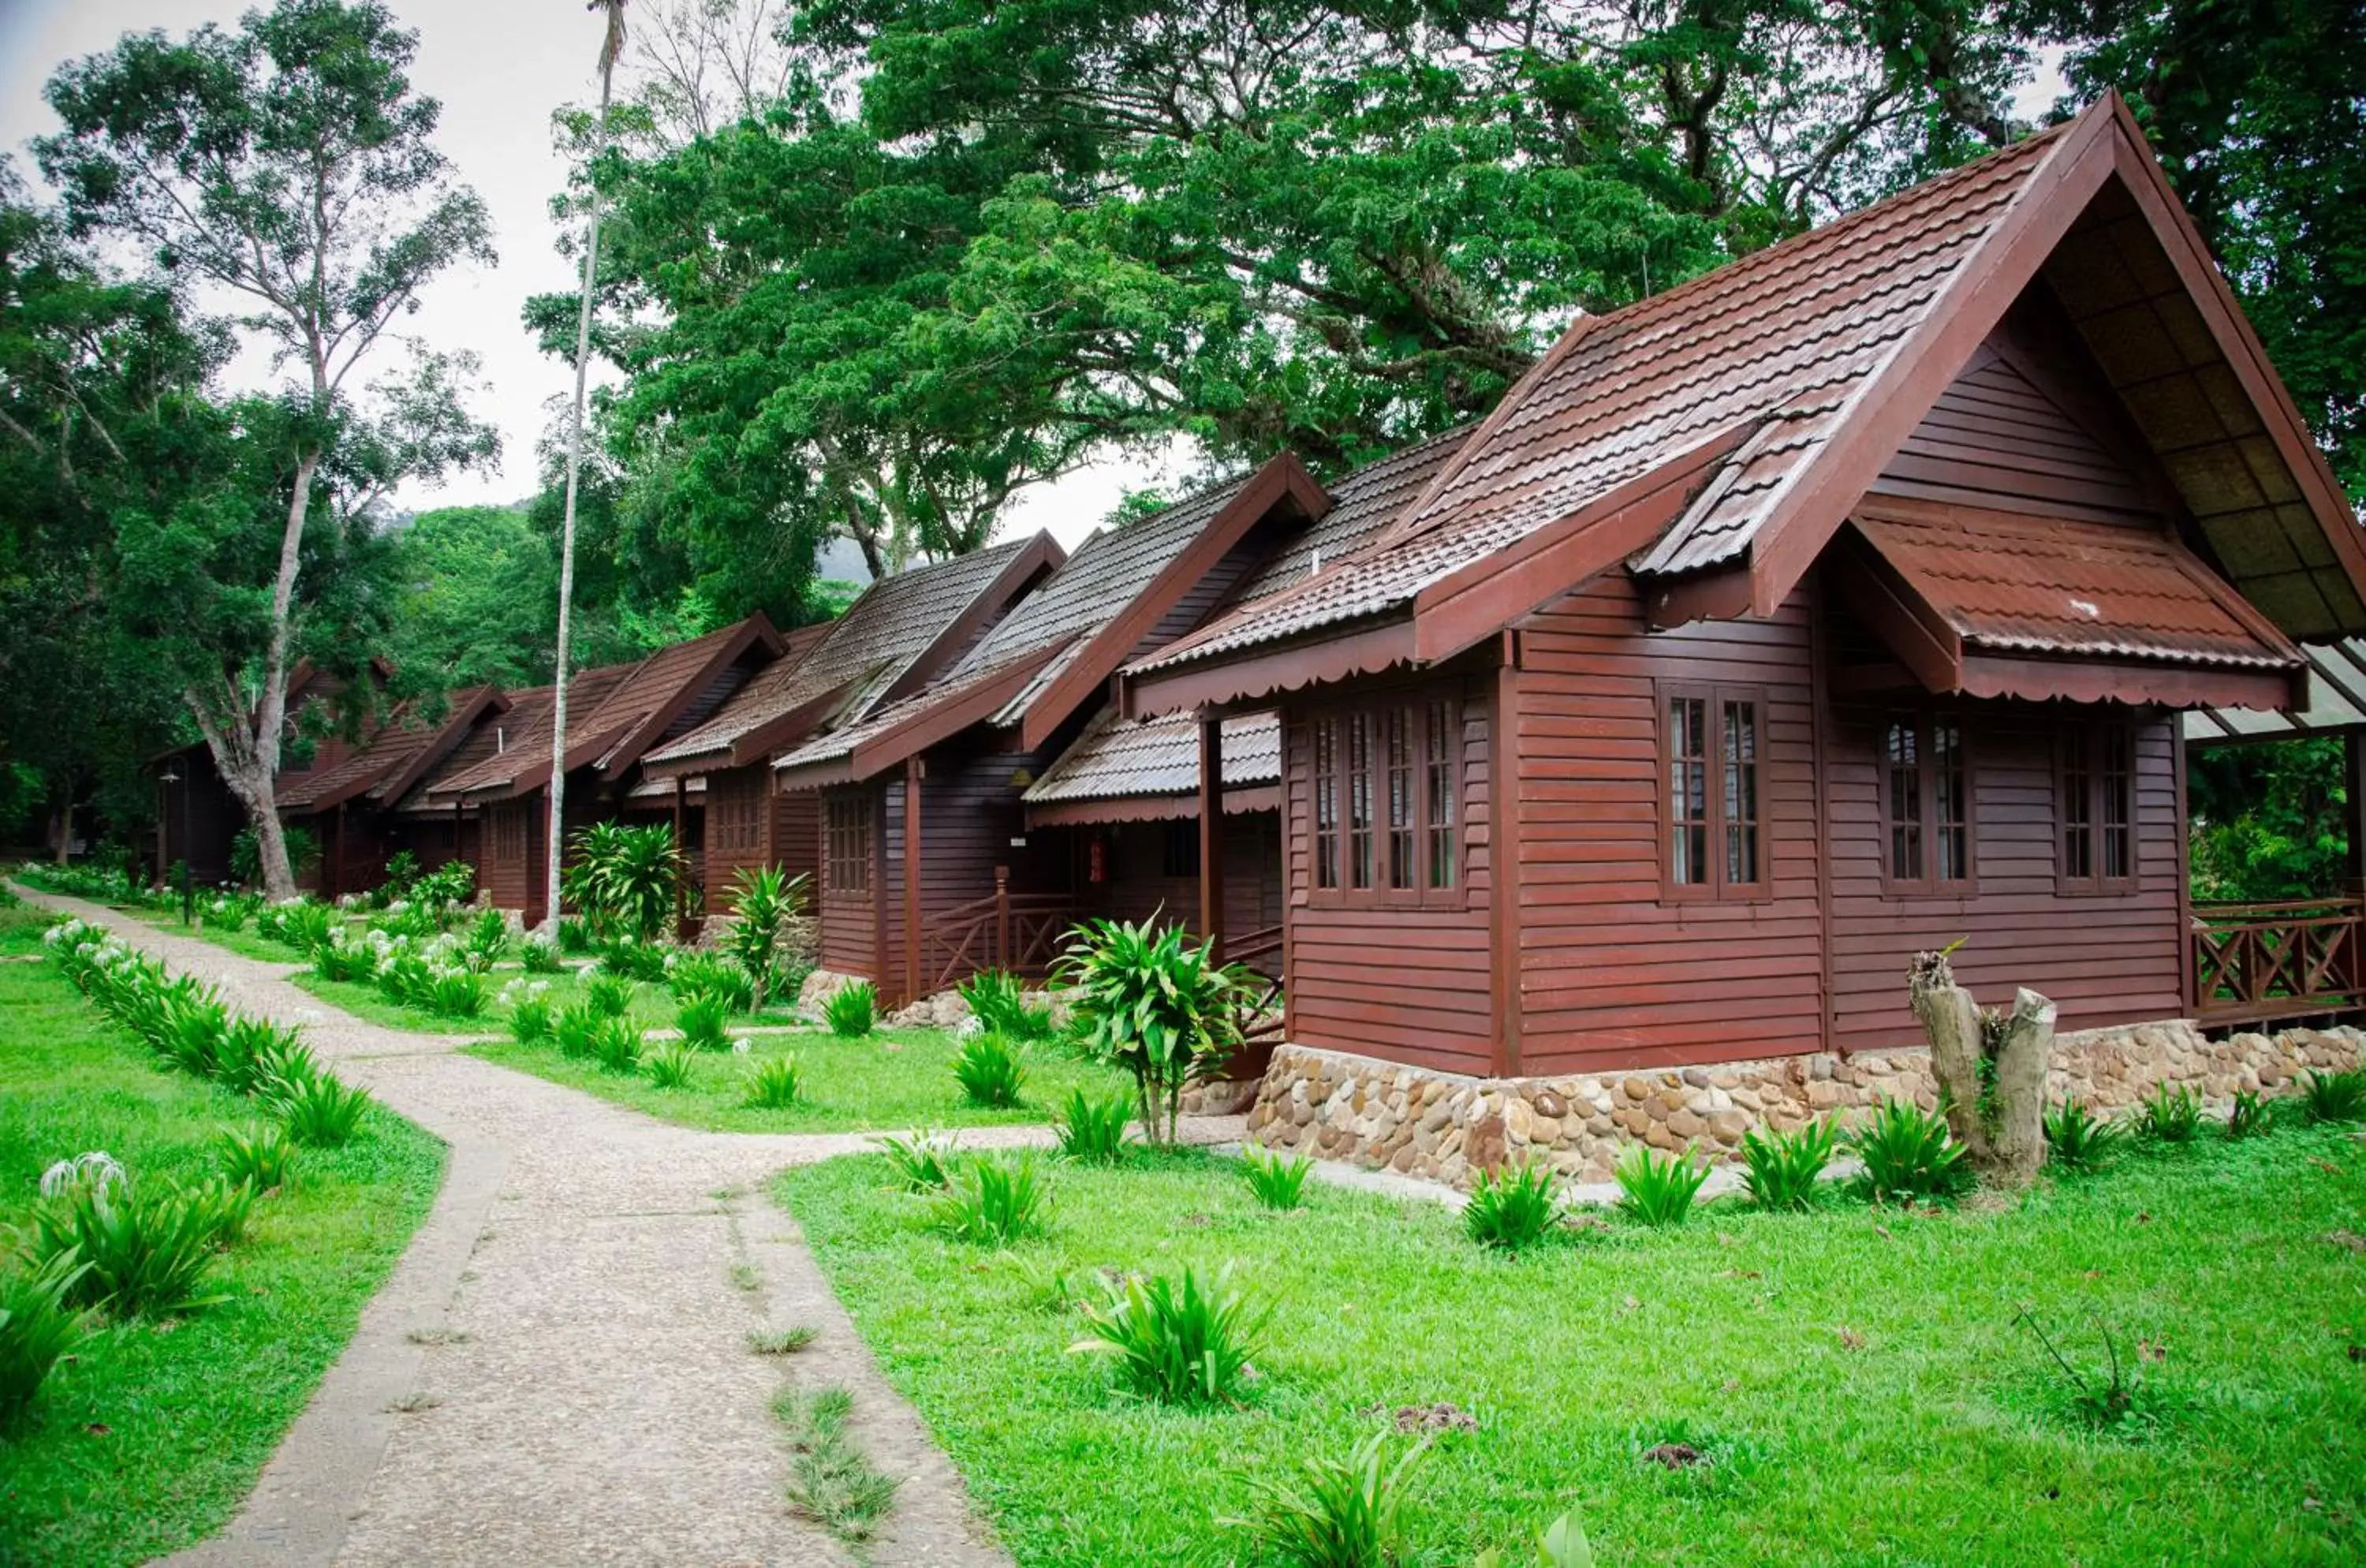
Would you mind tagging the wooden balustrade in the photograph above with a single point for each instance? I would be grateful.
(2253, 962)
(1022, 933)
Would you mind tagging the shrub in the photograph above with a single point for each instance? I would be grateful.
(574, 1027)
(616, 1045)
(993, 1202)
(626, 879)
(2170, 1115)
(1334, 1515)
(37, 1327)
(1780, 1171)
(773, 1083)
(344, 957)
(147, 1255)
(610, 994)
(192, 1034)
(989, 1071)
(2335, 1097)
(2249, 1116)
(998, 1002)
(1658, 1188)
(764, 902)
(921, 1163)
(574, 936)
(487, 942)
(531, 1014)
(2079, 1141)
(701, 1021)
(1149, 1001)
(1179, 1338)
(262, 1160)
(670, 1066)
(318, 1110)
(1276, 1179)
(445, 889)
(634, 960)
(228, 911)
(1907, 1155)
(455, 993)
(539, 955)
(1563, 1545)
(405, 979)
(851, 1009)
(252, 1052)
(300, 923)
(692, 976)
(1513, 1206)
(223, 1206)
(1091, 1131)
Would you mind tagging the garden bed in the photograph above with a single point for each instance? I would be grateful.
(148, 1440)
(1846, 1385)
(890, 1080)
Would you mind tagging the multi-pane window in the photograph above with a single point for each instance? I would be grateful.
(735, 819)
(846, 843)
(2096, 808)
(1386, 774)
(509, 834)
(1926, 804)
(1712, 745)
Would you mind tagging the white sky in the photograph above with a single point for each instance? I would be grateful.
(498, 67)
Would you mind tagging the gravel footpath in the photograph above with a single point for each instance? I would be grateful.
(559, 1372)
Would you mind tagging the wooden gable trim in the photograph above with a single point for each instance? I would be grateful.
(1098, 811)
(1467, 606)
(2138, 685)
(1041, 554)
(755, 631)
(1720, 593)
(1283, 480)
(1909, 628)
(944, 719)
(488, 700)
(1884, 409)
(1367, 651)
(758, 744)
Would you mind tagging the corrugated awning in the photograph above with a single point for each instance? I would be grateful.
(2337, 702)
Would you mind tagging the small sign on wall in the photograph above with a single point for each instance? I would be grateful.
(1020, 842)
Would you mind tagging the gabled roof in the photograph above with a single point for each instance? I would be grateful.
(1115, 760)
(394, 757)
(899, 632)
(518, 743)
(1734, 420)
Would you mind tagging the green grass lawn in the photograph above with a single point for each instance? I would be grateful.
(889, 1080)
(245, 943)
(1856, 1378)
(147, 1441)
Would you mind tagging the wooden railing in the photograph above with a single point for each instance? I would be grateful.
(1019, 932)
(2256, 962)
(1259, 1014)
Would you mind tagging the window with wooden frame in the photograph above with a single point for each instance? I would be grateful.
(2095, 807)
(1386, 814)
(735, 817)
(509, 834)
(1712, 747)
(1926, 805)
(846, 843)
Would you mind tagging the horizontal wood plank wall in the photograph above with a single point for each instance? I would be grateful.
(2106, 958)
(1995, 440)
(797, 836)
(849, 929)
(1136, 885)
(1615, 975)
(737, 801)
(511, 828)
(1410, 985)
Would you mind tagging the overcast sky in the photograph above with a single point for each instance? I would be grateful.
(498, 67)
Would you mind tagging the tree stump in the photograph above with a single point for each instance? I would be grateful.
(1991, 1073)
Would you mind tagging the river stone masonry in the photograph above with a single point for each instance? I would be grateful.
(1445, 1126)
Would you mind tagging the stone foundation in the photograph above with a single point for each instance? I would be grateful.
(1444, 1126)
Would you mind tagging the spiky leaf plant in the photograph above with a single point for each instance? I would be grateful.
(921, 1163)
(263, 1159)
(851, 1010)
(1907, 1155)
(1658, 1188)
(669, 1067)
(1276, 1179)
(1149, 1000)
(2079, 1141)
(773, 1083)
(1781, 1170)
(1178, 1338)
(989, 1071)
(1513, 1207)
(994, 1201)
(2335, 1097)
(1333, 1514)
(38, 1326)
(1091, 1131)
(2170, 1115)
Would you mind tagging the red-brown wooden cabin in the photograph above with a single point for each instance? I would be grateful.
(1834, 605)
(350, 808)
(899, 633)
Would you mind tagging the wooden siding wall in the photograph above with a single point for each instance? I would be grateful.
(850, 930)
(1136, 885)
(796, 832)
(730, 791)
(1409, 985)
(789, 837)
(512, 883)
(1611, 974)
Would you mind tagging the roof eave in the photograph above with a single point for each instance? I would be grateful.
(1252, 676)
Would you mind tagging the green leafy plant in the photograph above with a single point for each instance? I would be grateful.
(1151, 1002)
(223, 1205)
(851, 1009)
(773, 1083)
(445, 889)
(538, 955)
(2248, 1117)
(1276, 1179)
(2103, 1401)
(1512, 1207)
(695, 976)
(1781, 1170)
(1563, 1545)
(1658, 1188)
(2079, 1141)
(1178, 1338)
(921, 1163)
(487, 942)
(669, 1067)
(401, 871)
(999, 1001)
(616, 1045)
(764, 902)
(2335, 1097)
(989, 1071)
(148, 1253)
(455, 993)
(634, 960)
(531, 1016)
(2170, 1115)
(38, 1328)
(263, 1159)
(993, 1202)
(318, 1110)
(830, 1480)
(701, 1021)
(1335, 1514)
(574, 1027)
(252, 1051)
(624, 879)
(610, 995)
(1907, 1155)
(1092, 1131)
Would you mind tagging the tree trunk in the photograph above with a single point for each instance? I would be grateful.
(2017, 1143)
(2000, 1120)
(63, 817)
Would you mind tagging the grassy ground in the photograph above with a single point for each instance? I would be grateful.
(148, 1440)
(889, 1080)
(1856, 1378)
(653, 1007)
(245, 943)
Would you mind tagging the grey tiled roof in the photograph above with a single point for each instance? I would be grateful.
(1113, 759)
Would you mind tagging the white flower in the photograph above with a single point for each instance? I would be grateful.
(96, 1169)
(738, 1044)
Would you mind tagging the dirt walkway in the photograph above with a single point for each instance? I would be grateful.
(558, 1373)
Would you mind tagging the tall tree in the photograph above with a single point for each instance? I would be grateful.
(288, 165)
(611, 45)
